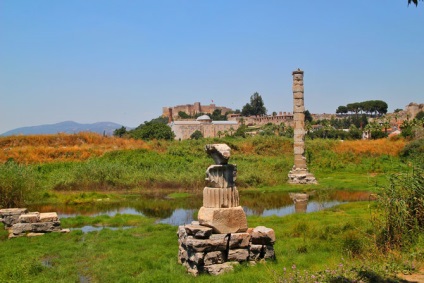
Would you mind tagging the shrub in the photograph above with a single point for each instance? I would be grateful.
(402, 207)
(414, 150)
(196, 135)
(17, 184)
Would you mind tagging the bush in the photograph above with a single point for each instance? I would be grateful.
(402, 207)
(17, 184)
(196, 135)
(414, 150)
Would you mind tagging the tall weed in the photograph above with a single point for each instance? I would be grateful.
(402, 211)
(18, 185)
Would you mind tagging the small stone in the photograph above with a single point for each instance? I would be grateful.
(239, 240)
(45, 226)
(21, 228)
(214, 258)
(197, 258)
(181, 232)
(238, 255)
(269, 252)
(198, 231)
(199, 245)
(34, 234)
(10, 216)
(193, 270)
(49, 217)
(262, 235)
(255, 252)
(29, 217)
(13, 211)
(182, 255)
(217, 269)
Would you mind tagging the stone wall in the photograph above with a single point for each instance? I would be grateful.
(201, 251)
(184, 129)
(193, 109)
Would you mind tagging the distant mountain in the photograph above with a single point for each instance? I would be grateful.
(68, 127)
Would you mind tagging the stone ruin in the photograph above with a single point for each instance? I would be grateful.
(20, 222)
(220, 238)
(299, 173)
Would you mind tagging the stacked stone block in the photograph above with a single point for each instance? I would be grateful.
(201, 251)
(221, 238)
(299, 174)
(20, 222)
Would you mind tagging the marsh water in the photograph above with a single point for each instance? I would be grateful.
(182, 210)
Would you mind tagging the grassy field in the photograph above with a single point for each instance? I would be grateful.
(329, 243)
(324, 246)
(112, 164)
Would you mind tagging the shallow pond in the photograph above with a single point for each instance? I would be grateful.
(178, 211)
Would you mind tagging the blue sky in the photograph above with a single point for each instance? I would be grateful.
(122, 61)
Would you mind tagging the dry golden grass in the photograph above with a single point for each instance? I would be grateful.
(371, 147)
(61, 147)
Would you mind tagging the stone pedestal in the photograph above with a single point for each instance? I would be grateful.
(201, 251)
(223, 220)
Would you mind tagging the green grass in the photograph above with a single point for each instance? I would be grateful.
(178, 195)
(263, 162)
(174, 173)
(148, 252)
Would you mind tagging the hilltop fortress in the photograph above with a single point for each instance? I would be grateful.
(192, 109)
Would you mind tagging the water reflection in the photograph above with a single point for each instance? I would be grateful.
(180, 216)
(89, 228)
(183, 210)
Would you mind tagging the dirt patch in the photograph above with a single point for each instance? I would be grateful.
(415, 277)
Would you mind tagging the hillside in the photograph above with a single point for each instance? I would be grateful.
(68, 127)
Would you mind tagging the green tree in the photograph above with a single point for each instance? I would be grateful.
(308, 116)
(120, 132)
(157, 131)
(217, 116)
(241, 131)
(196, 135)
(256, 106)
(247, 110)
(341, 110)
(183, 115)
(420, 115)
(160, 120)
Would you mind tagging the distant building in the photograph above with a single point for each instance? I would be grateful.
(209, 129)
(192, 109)
(282, 117)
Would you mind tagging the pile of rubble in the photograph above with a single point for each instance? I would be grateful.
(20, 222)
(202, 251)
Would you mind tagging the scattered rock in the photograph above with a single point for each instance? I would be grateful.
(262, 235)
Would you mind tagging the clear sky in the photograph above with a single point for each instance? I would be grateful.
(122, 61)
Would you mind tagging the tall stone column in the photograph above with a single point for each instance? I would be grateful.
(299, 174)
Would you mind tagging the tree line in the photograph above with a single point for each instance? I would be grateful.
(370, 107)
